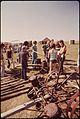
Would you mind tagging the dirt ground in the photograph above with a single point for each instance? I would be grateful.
(69, 65)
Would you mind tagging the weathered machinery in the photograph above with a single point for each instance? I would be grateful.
(50, 106)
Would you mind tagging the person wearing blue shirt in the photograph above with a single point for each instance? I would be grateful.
(34, 52)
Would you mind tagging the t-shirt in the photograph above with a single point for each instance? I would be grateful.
(34, 48)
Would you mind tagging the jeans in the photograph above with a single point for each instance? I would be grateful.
(24, 70)
(34, 61)
(34, 58)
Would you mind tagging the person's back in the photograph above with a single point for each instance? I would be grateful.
(24, 59)
(53, 54)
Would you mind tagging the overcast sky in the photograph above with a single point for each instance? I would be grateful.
(27, 20)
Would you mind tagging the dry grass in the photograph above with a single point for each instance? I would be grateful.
(11, 103)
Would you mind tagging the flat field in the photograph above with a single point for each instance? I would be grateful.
(71, 60)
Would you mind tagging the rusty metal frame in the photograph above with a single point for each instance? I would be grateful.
(74, 106)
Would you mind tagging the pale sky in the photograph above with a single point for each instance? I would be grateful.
(35, 20)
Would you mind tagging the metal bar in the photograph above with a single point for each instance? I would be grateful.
(20, 107)
(65, 80)
(39, 65)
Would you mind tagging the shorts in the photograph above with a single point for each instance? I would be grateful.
(53, 61)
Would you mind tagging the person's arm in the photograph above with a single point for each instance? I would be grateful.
(12, 53)
(27, 55)
(6, 54)
(62, 50)
(48, 54)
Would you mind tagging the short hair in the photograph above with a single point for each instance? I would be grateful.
(52, 40)
(23, 47)
(52, 45)
(61, 41)
(2, 45)
(26, 43)
(34, 42)
(45, 42)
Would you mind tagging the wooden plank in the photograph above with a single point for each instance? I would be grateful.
(12, 84)
(37, 65)
(12, 80)
(3, 78)
(10, 92)
(9, 79)
(12, 95)
(8, 82)
(11, 89)
(24, 105)
(21, 82)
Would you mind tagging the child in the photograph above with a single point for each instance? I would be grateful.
(47, 50)
(9, 55)
(34, 52)
(62, 53)
(25, 56)
(25, 44)
(44, 49)
(52, 56)
(2, 73)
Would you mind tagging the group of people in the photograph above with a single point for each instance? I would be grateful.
(22, 58)
(52, 53)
